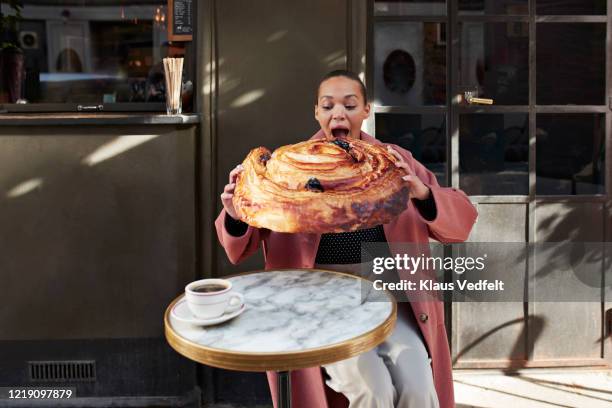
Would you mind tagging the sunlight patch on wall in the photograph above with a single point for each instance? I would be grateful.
(335, 58)
(276, 36)
(210, 67)
(25, 187)
(247, 98)
(116, 147)
(226, 84)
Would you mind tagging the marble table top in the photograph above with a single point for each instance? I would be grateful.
(293, 311)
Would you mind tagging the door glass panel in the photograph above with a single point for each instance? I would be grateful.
(570, 154)
(423, 135)
(494, 57)
(571, 7)
(410, 64)
(479, 7)
(571, 64)
(494, 154)
(409, 7)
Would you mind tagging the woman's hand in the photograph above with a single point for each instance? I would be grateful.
(418, 190)
(228, 193)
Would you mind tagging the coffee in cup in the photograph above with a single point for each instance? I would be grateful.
(210, 298)
(209, 288)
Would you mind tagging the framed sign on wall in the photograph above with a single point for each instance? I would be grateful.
(180, 20)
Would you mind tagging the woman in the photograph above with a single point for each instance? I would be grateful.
(412, 369)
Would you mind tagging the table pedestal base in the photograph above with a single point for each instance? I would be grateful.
(283, 382)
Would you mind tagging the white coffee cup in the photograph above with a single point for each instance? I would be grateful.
(210, 298)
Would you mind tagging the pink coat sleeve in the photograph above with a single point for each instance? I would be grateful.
(238, 248)
(455, 214)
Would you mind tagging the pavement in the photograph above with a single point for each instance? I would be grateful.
(529, 388)
(533, 388)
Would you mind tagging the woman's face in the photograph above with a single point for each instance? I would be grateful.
(341, 107)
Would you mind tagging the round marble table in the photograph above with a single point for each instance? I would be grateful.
(295, 318)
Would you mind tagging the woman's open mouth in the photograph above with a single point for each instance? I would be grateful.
(340, 132)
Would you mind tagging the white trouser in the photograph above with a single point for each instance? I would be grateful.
(397, 373)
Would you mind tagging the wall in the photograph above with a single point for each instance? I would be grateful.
(97, 238)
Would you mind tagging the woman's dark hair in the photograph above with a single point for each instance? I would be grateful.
(347, 74)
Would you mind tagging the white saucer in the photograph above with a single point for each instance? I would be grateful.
(181, 312)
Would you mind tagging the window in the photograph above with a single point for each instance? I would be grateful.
(58, 54)
(508, 100)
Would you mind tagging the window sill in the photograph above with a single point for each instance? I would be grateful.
(78, 119)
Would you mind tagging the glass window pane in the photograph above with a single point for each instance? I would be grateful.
(571, 7)
(410, 64)
(409, 7)
(93, 52)
(479, 7)
(571, 64)
(570, 153)
(494, 154)
(494, 58)
(423, 135)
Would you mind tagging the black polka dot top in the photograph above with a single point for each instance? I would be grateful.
(345, 247)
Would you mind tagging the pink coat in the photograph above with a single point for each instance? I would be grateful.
(453, 223)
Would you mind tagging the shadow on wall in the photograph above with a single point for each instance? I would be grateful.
(536, 326)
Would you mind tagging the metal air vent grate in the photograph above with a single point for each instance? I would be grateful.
(62, 370)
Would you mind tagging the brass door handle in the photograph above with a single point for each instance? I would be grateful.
(481, 101)
(470, 98)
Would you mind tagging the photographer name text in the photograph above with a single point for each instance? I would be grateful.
(431, 285)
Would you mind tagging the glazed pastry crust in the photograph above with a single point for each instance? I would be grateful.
(361, 187)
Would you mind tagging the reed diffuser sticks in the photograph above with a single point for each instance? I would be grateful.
(173, 70)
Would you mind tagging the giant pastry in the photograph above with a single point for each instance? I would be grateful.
(320, 186)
